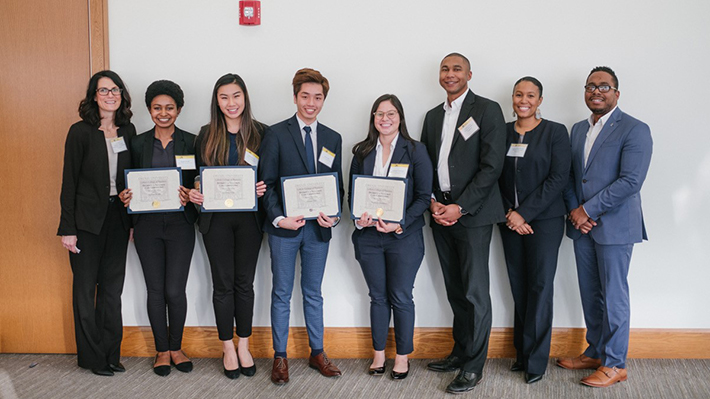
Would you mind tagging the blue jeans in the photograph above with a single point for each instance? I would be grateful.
(314, 253)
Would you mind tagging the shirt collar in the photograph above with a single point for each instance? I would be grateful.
(302, 124)
(456, 104)
(603, 119)
(393, 144)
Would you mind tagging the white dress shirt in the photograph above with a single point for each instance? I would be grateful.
(593, 133)
(448, 130)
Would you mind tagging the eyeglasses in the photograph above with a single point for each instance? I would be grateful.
(602, 88)
(104, 91)
(390, 114)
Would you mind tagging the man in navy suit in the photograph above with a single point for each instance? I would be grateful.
(611, 153)
(299, 145)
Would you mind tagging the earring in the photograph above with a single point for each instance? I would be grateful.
(515, 115)
(538, 114)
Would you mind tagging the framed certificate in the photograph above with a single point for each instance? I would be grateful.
(154, 190)
(382, 197)
(308, 195)
(228, 188)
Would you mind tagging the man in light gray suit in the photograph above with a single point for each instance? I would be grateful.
(611, 153)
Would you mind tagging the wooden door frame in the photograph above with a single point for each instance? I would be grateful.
(98, 35)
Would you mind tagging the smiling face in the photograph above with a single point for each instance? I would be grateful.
(231, 101)
(387, 119)
(309, 101)
(164, 111)
(526, 99)
(454, 74)
(601, 103)
(109, 103)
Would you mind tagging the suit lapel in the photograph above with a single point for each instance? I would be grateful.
(400, 150)
(295, 131)
(179, 141)
(368, 164)
(147, 159)
(438, 121)
(608, 128)
(463, 115)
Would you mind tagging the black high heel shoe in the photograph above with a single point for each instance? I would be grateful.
(400, 376)
(517, 366)
(247, 371)
(231, 374)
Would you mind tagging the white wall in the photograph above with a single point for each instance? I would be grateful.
(659, 50)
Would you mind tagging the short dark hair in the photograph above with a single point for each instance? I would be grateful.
(89, 110)
(166, 87)
(468, 63)
(607, 70)
(531, 80)
(308, 75)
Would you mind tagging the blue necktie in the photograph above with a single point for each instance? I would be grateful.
(310, 158)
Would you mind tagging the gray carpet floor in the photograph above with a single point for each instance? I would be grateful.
(57, 376)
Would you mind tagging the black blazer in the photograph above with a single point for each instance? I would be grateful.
(474, 164)
(205, 218)
(142, 158)
(420, 175)
(541, 175)
(284, 154)
(85, 180)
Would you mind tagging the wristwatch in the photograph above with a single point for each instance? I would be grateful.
(463, 211)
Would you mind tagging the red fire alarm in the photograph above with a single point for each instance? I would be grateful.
(250, 13)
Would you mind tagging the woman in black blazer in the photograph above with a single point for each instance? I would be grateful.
(94, 226)
(165, 241)
(535, 172)
(232, 239)
(389, 253)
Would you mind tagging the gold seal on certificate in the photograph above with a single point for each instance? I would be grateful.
(156, 204)
(380, 212)
(228, 203)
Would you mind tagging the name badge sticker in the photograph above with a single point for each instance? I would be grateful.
(517, 150)
(398, 170)
(185, 162)
(468, 128)
(326, 157)
(251, 158)
(118, 145)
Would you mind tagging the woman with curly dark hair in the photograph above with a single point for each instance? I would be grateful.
(94, 225)
(165, 241)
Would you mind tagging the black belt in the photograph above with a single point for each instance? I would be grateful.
(112, 199)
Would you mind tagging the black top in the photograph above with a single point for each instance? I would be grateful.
(541, 174)
(163, 157)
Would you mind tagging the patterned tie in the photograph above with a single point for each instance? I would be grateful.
(310, 158)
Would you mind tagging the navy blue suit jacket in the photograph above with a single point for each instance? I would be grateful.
(609, 185)
(541, 175)
(420, 175)
(284, 154)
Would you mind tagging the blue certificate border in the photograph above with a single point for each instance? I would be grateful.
(337, 190)
(125, 180)
(256, 199)
(404, 208)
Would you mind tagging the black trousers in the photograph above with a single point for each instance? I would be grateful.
(165, 242)
(532, 262)
(463, 253)
(98, 274)
(232, 245)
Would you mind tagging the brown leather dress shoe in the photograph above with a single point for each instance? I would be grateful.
(279, 372)
(605, 376)
(324, 365)
(580, 362)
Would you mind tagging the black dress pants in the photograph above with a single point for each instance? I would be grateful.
(232, 245)
(165, 242)
(532, 262)
(98, 274)
(463, 253)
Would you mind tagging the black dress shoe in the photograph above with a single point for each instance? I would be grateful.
(117, 368)
(103, 371)
(185, 367)
(400, 376)
(517, 366)
(377, 371)
(464, 382)
(247, 371)
(451, 363)
(231, 374)
(532, 378)
(163, 370)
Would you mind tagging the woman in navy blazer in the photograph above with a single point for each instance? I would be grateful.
(390, 253)
(165, 241)
(232, 239)
(94, 226)
(535, 173)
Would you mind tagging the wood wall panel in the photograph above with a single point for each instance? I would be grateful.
(429, 343)
(44, 68)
